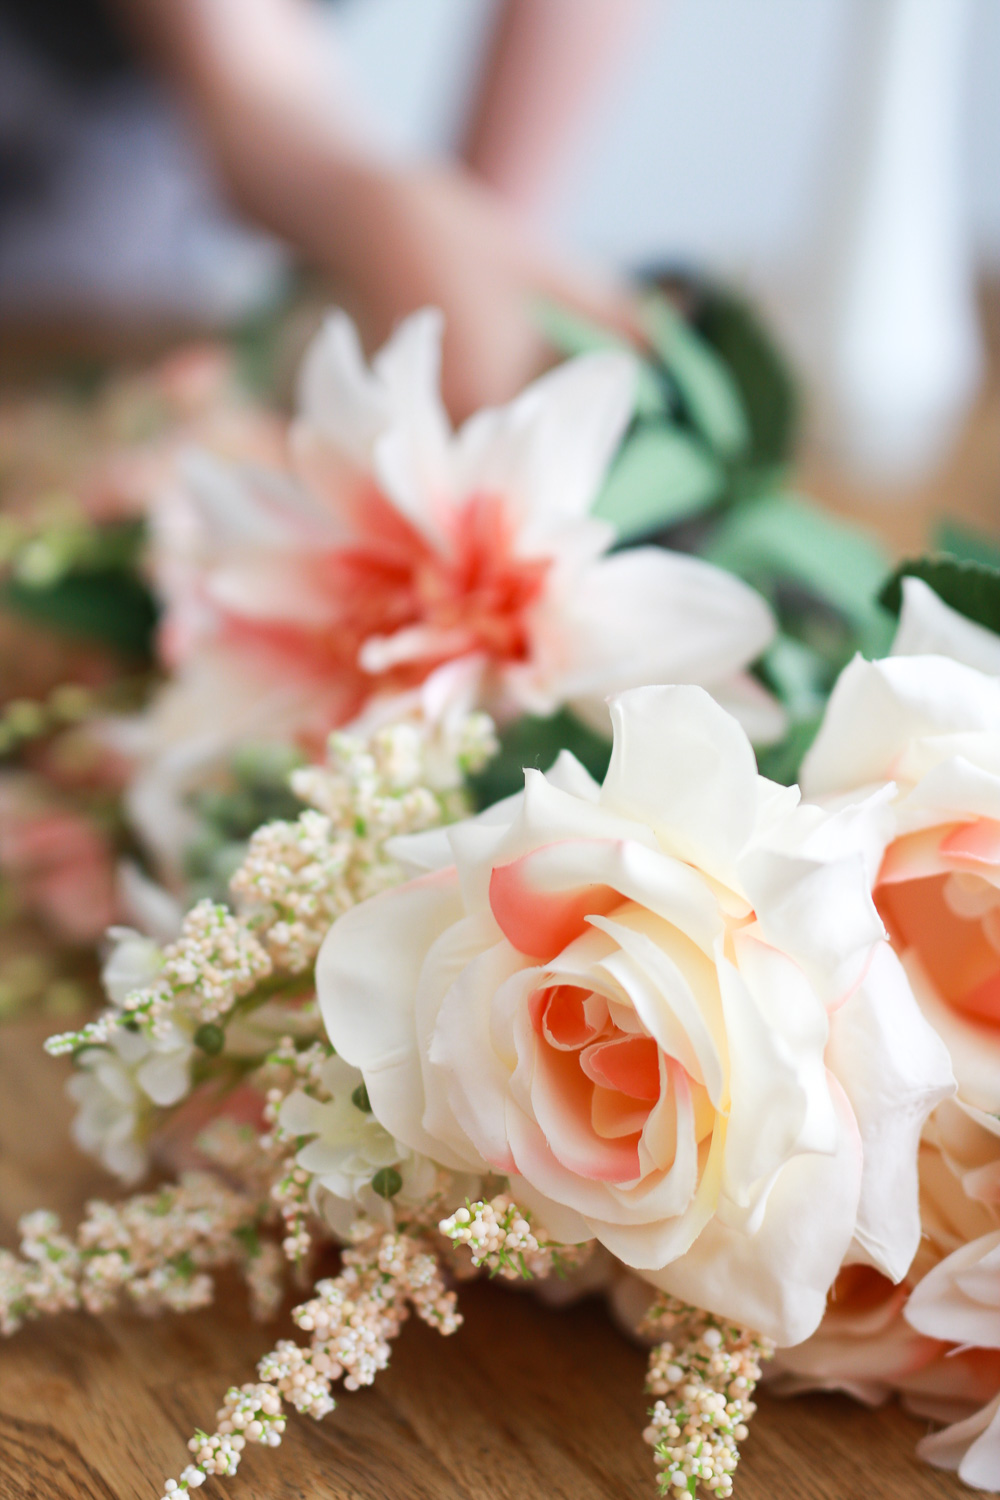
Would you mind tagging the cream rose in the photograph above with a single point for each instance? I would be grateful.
(865, 1345)
(664, 1009)
(960, 1301)
(931, 726)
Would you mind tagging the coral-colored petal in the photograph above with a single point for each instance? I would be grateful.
(629, 1064)
(542, 923)
(979, 841)
(562, 1019)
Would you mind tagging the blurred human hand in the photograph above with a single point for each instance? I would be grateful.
(391, 238)
(403, 239)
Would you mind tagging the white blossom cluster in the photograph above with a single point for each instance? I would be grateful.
(501, 1239)
(705, 1385)
(351, 1319)
(214, 962)
(171, 1006)
(298, 877)
(156, 1249)
(354, 1164)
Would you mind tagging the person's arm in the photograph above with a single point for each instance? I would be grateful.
(254, 74)
(393, 239)
(545, 62)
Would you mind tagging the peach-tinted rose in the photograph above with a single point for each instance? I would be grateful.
(931, 726)
(664, 1008)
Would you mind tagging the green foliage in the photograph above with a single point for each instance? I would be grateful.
(971, 588)
(966, 544)
(660, 477)
(714, 413)
(210, 1038)
(105, 605)
(709, 395)
(533, 742)
(806, 561)
(83, 580)
(387, 1182)
(764, 381)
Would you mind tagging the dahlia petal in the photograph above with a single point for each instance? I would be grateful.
(548, 451)
(648, 616)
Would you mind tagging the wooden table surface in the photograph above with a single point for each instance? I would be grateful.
(523, 1403)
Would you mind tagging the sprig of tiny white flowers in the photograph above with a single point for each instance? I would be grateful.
(705, 1383)
(215, 961)
(298, 877)
(500, 1236)
(351, 1320)
(156, 1249)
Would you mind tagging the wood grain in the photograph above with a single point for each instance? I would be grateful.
(523, 1403)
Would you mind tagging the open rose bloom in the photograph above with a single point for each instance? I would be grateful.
(391, 550)
(873, 1341)
(664, 1009)
(931, 726)
(927, 721)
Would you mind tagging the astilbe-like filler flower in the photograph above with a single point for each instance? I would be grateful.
(156, 1249)
(393, 549)
(704, 1385)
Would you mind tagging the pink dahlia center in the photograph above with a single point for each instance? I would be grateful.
(470, 595)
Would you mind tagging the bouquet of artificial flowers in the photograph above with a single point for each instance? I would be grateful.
(723, 1047)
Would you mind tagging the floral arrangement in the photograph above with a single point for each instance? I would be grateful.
(656, 1022)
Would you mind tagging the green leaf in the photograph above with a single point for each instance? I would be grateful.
(387, 1182)
(971, 588)
(661, 476)
(210, 1038)
(797, 673)
(101, 604)
(706, 387)
(782, 762)
(784, 540)
(537, 742)
(572, 334)
(966, 544)
(767, 389)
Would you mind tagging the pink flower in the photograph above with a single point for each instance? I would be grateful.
(57, 859)
(664, 1008)
(395, 546)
